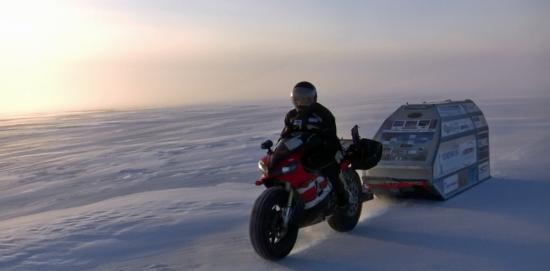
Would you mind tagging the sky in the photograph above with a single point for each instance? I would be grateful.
(58, 55)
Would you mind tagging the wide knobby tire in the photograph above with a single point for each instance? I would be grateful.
(345, 219)
(266, 222)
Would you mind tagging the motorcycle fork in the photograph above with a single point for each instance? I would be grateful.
(288, 210)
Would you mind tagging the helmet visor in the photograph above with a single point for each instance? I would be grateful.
(302, 97)
(302, 101)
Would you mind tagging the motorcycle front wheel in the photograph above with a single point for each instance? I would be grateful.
(269, 237)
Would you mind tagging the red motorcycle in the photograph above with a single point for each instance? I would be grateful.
(297, 195)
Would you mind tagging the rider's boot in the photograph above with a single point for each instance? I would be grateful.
(342, 196)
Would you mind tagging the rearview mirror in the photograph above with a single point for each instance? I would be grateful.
(355, 134)
(267, 145)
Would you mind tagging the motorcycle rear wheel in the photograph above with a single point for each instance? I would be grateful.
(268, 235)
(345, 219)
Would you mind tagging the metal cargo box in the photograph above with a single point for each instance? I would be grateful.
(442, 148)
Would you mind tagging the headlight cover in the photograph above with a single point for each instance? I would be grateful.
(262, 167)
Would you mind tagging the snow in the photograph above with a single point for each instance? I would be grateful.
(172, 189)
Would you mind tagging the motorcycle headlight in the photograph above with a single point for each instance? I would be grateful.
(262, 167)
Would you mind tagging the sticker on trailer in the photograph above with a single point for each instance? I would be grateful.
(400, 146)
(455, 127)
(454, 155)
(484, 170)
(483, 140)
(449, 110)
(450, 184)
(471, 107)
(479, 121)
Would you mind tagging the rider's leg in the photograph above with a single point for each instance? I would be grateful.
(333, 174)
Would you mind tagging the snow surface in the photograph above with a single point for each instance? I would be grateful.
(172, 189)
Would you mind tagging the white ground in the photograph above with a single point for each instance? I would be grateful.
(172, 189)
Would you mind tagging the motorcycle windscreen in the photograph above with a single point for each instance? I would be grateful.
(284, 148)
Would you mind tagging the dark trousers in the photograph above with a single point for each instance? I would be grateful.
(323, 159)
(332, 172)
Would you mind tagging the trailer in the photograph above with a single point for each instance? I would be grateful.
(439, 147)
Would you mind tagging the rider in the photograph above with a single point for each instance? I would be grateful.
(308, 115)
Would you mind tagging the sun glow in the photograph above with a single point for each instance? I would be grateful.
(68, 55)
(36, 37)
(41, 43)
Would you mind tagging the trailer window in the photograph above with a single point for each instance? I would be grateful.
(423, 124)
(411, 124)
(398, 123)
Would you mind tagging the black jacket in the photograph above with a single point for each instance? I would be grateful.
(317, 119)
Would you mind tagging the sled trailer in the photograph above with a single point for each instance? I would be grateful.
(440, 147)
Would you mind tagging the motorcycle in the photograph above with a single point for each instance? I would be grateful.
(298, 195)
